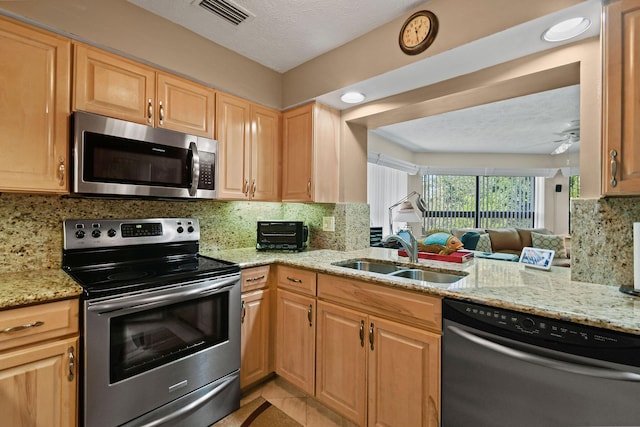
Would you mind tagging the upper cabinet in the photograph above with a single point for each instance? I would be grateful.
(114, 86)
(34, 109)
(249, 150)
(310, 154)
(621, 98)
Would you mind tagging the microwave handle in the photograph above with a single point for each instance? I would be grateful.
(195, 168)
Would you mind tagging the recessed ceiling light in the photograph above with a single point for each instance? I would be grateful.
(352, 97)
(566, 30)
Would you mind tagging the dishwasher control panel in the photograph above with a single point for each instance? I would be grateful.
(539, 327)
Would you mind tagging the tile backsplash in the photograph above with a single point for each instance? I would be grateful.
(31, 230)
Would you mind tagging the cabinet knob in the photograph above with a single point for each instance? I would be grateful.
(614, 167)
(161, 113)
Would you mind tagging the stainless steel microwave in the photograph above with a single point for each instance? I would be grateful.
(114, 157)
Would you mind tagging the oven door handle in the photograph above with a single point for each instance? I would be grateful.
(547, 362)
(164, 298)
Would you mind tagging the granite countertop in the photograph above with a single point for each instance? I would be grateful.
(36, 286)
(497, 283)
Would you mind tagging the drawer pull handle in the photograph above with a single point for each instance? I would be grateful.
(291, 279)
(614, 167)
(371, 336)
(310, 315)
(362, 333)
(149, 111)
(21, 327)
(72, 364)
(244, 312)
(161, 114)
(254, 279)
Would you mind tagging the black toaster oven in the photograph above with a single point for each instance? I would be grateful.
(282, 235)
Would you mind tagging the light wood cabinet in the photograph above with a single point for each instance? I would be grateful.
(38, 381)
(114, 86)
(255, 326)
(296, 327)
(374, 366)
(249, 146)
(621, 98)
(34, 109)
(310, 154)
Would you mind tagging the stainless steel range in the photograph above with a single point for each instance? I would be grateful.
(160, 326)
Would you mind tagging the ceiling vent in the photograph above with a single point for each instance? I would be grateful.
(228, 10)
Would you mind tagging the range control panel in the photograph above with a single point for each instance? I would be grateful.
(105, 233)
(537, 326)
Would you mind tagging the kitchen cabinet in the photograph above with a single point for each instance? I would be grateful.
(296, 328)
(35, 75)
(378, 353)
(310, 154)
(249, 149)
(38, 365)
(114, 86)
(255, 326)
(621, 98)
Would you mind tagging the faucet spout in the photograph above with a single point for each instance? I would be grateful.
(411, 247)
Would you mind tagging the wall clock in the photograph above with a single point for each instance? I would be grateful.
(418, 32)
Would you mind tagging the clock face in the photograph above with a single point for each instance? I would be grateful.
(418, 32)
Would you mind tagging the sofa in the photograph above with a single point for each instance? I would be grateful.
(512, 240)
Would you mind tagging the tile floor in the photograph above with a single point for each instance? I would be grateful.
(296, 404)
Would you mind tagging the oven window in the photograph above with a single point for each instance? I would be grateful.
(144, 340)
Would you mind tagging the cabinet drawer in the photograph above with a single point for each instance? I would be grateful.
(255, 278)
(408, 307)
(298, 280)
(26, 325)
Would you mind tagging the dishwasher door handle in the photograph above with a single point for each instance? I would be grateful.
(551, 363)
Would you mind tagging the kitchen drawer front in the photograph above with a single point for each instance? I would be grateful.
(20, 326)
(295, 279)
(408, 307)
(255, 278)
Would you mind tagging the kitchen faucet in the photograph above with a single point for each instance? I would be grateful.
(412, 250)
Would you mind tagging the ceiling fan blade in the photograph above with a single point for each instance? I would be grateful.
(561, 148)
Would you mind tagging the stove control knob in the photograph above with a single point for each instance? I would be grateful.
(95, 233)
(180, 230)
(79, 234)
(190, 229)
(528, 323)
(111, 232)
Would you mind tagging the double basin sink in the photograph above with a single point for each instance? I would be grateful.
(400, 270)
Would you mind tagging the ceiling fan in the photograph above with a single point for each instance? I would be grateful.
(568, 136)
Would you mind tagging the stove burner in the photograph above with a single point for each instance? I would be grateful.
(127, 275)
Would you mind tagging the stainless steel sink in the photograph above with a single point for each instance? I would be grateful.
(370, 266)
(400, 270)
(426, 275)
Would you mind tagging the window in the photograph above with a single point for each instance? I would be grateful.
(478, 201)
(574, 186)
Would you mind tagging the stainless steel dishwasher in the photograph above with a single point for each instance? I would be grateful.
(506, 368)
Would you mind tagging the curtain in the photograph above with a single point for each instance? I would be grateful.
(385, 186)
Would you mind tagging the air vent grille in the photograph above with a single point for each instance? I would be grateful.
(227, 10)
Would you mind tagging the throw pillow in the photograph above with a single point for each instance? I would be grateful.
(484, 243)
(549, 241)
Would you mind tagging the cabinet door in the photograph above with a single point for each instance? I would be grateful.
(184, 106)
(341, 361)
(232, 132)
(296, 339)
(35, 387)
(265, 154)
(113, 86)
(34, 109)
(297, 150)
(621, 98)
(404, 375)
(255, 337)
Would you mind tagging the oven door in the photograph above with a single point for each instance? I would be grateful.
(143, 351)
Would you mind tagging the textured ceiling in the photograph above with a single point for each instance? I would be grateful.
(284, 33)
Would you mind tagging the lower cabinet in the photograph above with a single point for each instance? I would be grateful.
(372, 370)
(296, 339)
(255, 330)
